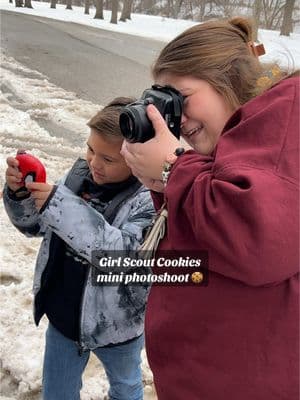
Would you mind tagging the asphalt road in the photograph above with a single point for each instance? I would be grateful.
(96, 64)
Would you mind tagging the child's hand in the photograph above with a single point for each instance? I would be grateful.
(39, 192)
(13, 175)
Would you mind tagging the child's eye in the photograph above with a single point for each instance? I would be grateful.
(108, 160)
(90, 149)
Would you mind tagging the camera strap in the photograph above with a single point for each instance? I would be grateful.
(155, 233)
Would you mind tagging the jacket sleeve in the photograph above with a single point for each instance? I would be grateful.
(84, 229)
(242, 205)
(23, 214)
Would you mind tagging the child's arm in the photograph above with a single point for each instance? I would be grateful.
(20, 207)
(85, 229)
(22, 213)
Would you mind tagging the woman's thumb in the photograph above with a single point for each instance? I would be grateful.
(156, 119)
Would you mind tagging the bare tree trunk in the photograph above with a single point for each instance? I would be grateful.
(129, 8)
(126, 10)
(53, 4)
(177, 8)
(174, 8)
(170, 8)
(114, 12)
(123, 13)
(273, 13)
(10, 1)
(287, 22)
(87, 6)
(28, 4)
(202, 10)
(19, 3)
(99, 9)
(257, 8)
(69, 5)
(191, 10)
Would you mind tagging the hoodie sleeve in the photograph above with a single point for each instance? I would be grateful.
(85, 229)
(243, 205)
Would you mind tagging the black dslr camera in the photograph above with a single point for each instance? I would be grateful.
(134, 122)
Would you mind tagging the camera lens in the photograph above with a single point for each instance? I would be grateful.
(127, 125)
(135, 125)
(134, 122)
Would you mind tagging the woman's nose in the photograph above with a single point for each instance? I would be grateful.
(183, 119)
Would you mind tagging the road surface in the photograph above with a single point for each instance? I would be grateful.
(96, 64)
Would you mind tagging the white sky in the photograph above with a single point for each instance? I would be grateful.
(28, 107)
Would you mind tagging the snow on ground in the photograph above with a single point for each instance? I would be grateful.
(28, 104)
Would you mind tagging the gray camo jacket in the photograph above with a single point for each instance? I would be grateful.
(106, 316)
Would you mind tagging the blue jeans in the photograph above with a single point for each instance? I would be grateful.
(63, 368)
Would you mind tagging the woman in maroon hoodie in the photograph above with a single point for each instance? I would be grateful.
(236, 196)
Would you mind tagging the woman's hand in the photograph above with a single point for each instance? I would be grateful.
(13, 175)
(152, 184)
(39, 192)
(146, 159)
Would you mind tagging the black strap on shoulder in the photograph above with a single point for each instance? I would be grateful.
(74, 181)
(76, 175)
(116, 203)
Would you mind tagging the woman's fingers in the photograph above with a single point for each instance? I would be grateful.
(147, 159)
(130, 153)
(159, 124)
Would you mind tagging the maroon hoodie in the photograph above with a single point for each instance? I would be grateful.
(237, 338)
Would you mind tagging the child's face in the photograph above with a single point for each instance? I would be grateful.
(104, 159)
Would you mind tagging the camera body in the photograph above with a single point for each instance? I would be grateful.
(30, 167)
(134, 122)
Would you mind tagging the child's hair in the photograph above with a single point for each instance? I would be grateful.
(221, 53)
(106, 121)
